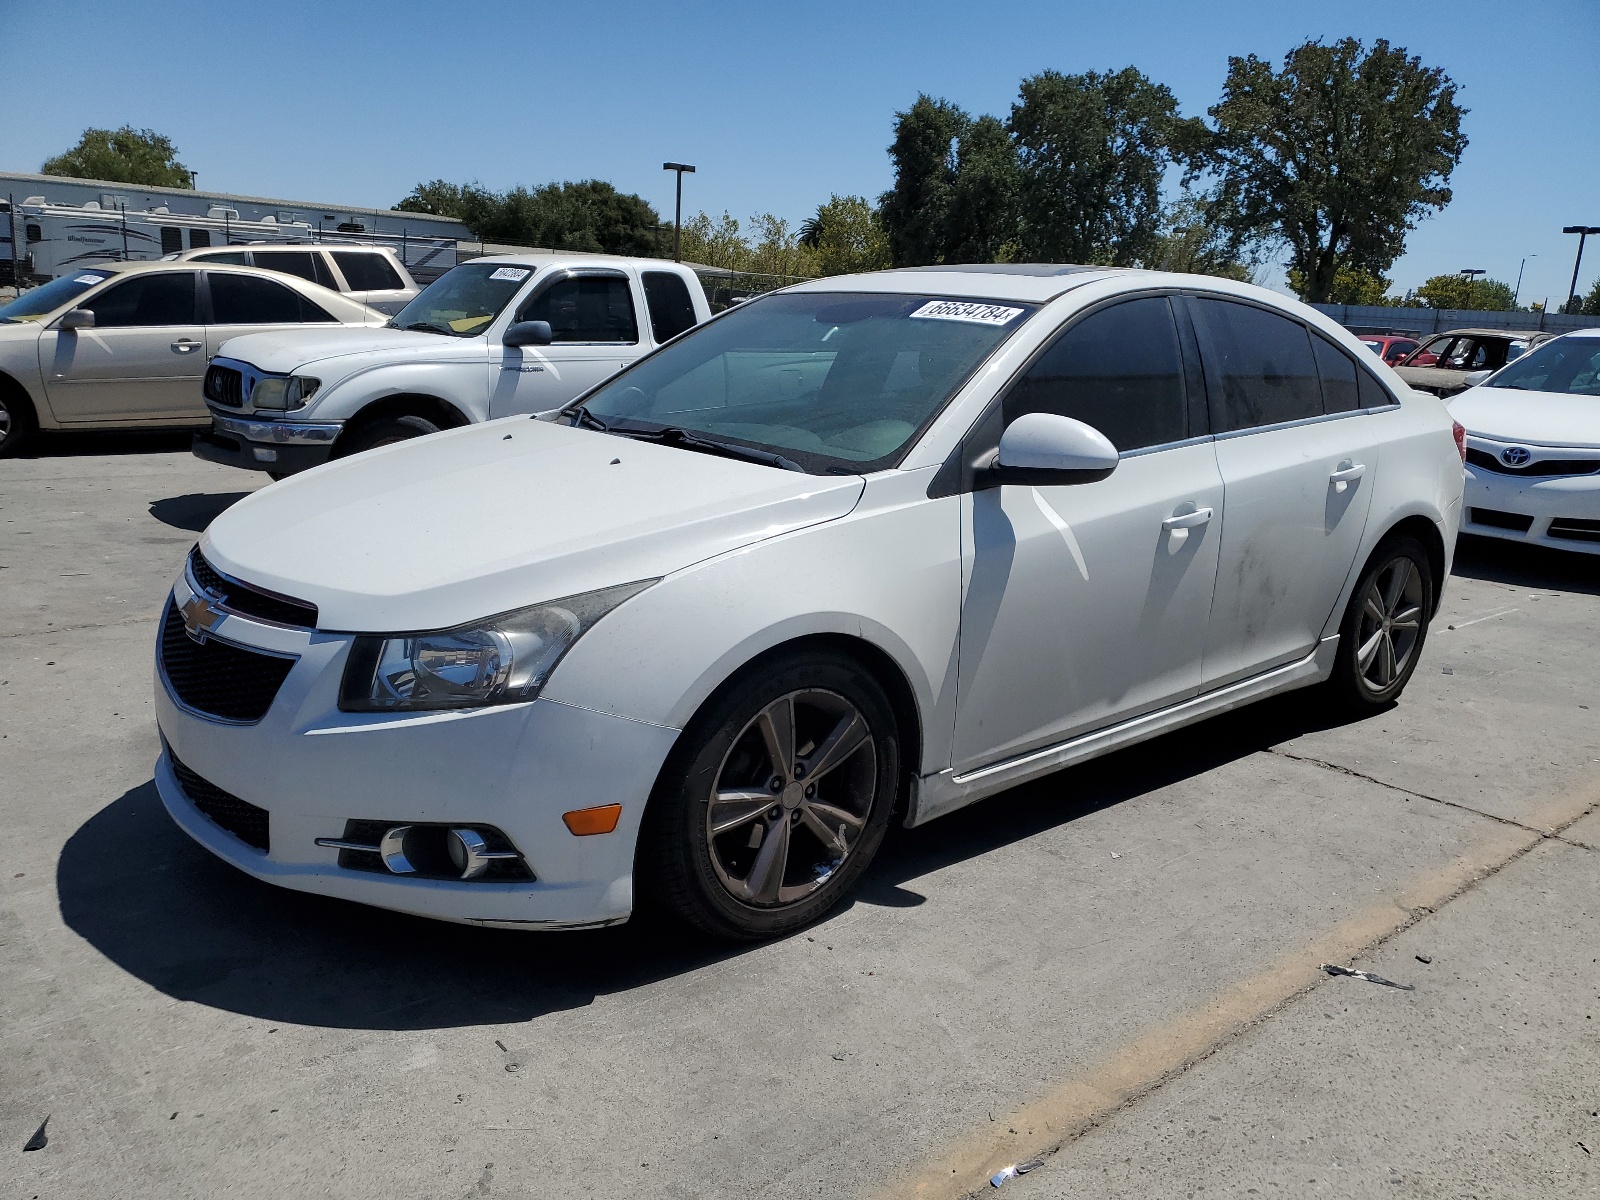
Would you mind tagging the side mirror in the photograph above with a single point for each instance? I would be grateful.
(77, 318)
(528, 333)
(1477, 377)
(1043, 448)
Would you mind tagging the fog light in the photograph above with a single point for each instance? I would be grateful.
(471, 854)
(264, 453)
(392, 849)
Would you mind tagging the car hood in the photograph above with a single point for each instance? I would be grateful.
(292, 350)
(1537, 418)
(483, 519)
(1432, 377)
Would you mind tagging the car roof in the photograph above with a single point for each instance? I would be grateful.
(1510, 334)
(1032, 283)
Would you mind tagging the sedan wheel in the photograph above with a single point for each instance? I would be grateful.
(1385, 626)
(776, 800)
(16, 422)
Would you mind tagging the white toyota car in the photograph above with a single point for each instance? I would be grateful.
(1533, 447)
(864, 550)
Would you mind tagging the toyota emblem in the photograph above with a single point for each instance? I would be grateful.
(1515, 456)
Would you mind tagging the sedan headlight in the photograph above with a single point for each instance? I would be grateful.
(283, 392)
(502, 660)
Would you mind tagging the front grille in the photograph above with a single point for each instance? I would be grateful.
(225, 386)
(249, 601)
(216, 679)
(239, 817)
(1548, 466)
(1575, 529)
(1496, 519)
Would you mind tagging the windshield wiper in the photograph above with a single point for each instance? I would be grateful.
(430, 327)
(582, 416)
(671, 435)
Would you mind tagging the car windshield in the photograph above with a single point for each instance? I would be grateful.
(832, 381)
(1569, 364)
(40, 301)
(464, 300)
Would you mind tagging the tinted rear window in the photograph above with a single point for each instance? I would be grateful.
(367, 272)
(1261, 364)
(251, 300)
(671, 309)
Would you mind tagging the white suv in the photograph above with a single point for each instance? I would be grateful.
(864, 550)
(372, 275)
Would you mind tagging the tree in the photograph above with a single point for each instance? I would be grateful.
(1591, 304)
(125, 155)
(915, 211)
(1092, 150)
(1194, 241)
(1455, 291)
(847, 236)
(1350, 286)
(587, 216)
(1339, 154)
(982, 221)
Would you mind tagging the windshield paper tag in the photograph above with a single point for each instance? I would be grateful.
(514, 274)
(88, 279)
(961, 310)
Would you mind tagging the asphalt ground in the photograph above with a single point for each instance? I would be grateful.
(1113, 970)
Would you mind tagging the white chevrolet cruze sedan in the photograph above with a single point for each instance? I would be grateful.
(1533, 447)
(864, 550)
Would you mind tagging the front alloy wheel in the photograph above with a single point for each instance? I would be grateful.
(775, 800)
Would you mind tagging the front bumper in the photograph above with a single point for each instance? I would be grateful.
(282, 447)
(1558, 511)
(515, 767)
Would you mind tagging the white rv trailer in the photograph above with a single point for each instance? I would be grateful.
(59, 238)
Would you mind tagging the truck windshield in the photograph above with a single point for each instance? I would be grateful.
(464, 300)
(41, 301)
(1568, 364)
(834, 381)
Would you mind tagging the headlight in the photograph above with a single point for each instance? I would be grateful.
(283, 391)
(503, 660)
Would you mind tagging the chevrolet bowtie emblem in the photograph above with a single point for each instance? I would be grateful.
(200, 617)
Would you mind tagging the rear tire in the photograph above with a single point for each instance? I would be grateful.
(1384, 628)
(386, 431)
(17, 421)
(775, 799)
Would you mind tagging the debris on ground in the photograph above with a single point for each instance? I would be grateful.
(1005, 1173)
(1333, 969)
(1424, 959)
(40, 1139)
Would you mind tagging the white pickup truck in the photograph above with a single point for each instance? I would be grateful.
(490, 338)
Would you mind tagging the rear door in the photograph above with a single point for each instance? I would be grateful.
(1298, 458)
(594, 320)
(242, 304)
(143, 359)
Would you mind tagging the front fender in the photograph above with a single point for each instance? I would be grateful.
(463, 385)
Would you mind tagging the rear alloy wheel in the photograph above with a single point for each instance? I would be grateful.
(16, 421)
(1385, 626)
(781, 796)
(386, 431)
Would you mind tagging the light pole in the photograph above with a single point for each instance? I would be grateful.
(1467, 273)
(1517, 291)
(1583, 232)
(677, 219)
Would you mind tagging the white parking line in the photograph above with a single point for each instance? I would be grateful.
(1505, 612)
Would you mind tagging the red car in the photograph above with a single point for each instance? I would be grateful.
(1390, 347)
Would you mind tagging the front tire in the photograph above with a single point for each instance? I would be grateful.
(386, 431)
(17, 423)
(775, 800)
(1384, 628)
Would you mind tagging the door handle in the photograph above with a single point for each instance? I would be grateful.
(1187, 520)
(1346, 474)
(186, 346)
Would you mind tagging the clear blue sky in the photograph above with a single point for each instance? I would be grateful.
(777, 104)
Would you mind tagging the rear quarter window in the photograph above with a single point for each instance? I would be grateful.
(368, 272)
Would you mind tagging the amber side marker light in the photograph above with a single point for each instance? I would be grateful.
(585, 821)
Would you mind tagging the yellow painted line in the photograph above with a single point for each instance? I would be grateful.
(1075, 1105)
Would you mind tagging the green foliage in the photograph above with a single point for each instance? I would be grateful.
(769, 247)
(125, 155)
(847, 236)
(1092, 150)
(984, 213)
(1454, 291)
(915, 212)
(1193, 240)
(1351, 286)
(1339, 154)
(587, 216)
(1591, 304)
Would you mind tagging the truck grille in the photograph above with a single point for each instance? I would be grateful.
(216, 679)
(1485, 461)
(248, 601)
(225, 386)
(242, 819)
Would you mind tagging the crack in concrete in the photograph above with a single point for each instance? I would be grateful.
(136, 620)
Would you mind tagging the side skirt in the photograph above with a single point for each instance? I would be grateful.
(947, 791)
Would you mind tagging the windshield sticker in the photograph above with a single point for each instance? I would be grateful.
(514, 274)
(88, 278)
(961, 310)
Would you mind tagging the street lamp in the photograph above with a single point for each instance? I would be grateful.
(677, 219)
(1517, 291)
(1467, 273)
(1583, 232)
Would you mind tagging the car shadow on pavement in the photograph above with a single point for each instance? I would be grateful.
(194, 511)
(162, 908)
(75, 445)
(1496, 561)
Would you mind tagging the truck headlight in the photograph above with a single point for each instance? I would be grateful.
(282, 392)
(502, 660)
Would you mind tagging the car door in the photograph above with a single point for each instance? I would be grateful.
(1298, 473)
(595, 333)
(1087, 603)
(142, 360)
(243, 303)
